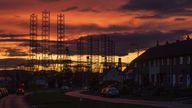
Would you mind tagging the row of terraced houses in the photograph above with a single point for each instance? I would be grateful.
(168, 65)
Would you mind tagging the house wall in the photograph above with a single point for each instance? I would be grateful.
(167, 72)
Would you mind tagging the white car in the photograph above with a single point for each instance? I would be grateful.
(65, 88)
(85, 88)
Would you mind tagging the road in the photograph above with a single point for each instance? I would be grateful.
(13, 101)
(170, 104)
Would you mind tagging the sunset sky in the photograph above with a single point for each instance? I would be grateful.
(133, 24)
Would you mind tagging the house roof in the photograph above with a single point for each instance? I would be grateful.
(179, 48)
(113, 70)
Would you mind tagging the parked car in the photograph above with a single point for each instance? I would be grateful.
(85, 89)
(3, 92)
(20, 91)
(6, 91)
(65, 88)
(110, 92)
(1, 95)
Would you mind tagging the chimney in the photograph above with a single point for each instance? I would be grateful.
(167, 43)
(119, 60)
(119, 64)
(177, 41)
(188, 37)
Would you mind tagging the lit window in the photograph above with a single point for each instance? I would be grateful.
(181, 60)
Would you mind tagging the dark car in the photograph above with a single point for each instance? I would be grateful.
(20, 91)
(110, 92)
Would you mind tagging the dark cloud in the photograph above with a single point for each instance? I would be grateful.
(89, 9)
(180, 19)
(129, 42)
(49, 0)
(15, 4)
(13, 35)
(70, 8)
(151, 17)
(12, 62)
(171, 7)
(2, 31)
(14, 40)
(15, 52)
(91, 28)
(181, 32)
(125, 42)
(96, 28)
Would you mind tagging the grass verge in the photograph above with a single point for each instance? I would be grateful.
(59, 100)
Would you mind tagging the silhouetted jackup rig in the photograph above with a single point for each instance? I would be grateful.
(41, 52)
(99, 51)
(33, 42)
(80, 53)
(60, 41)
(108, 53)
(45, 44)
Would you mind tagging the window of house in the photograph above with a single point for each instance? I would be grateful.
(135, 65)
(155, 62)
(152, 63)
(188, 60)
(158, 63)
(168, 61)
(144, 64)
(162, 62)
(152, 78)
(181, 60)
(180, 79)
(174, 61)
